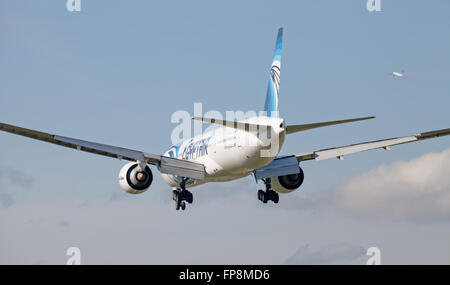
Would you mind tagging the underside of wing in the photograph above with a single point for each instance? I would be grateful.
(339, 152)
(165, 164)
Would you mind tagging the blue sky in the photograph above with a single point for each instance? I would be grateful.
(116, 71)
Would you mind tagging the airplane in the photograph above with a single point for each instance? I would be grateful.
(398, 74)
(232, 150)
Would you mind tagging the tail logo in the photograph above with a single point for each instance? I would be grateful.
(275, 75)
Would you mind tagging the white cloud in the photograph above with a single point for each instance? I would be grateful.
(338, 253)
(417, 190)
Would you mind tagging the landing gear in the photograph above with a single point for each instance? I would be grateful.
(180, 205)
(269, 194)
(181, 195)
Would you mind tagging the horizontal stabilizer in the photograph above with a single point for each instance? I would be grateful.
(290, 129)
(248, 127)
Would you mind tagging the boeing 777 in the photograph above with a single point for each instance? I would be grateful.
(233, 150)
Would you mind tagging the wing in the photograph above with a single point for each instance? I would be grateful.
(165, 164)
(339, 152)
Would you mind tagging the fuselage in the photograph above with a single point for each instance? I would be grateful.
(230, 153)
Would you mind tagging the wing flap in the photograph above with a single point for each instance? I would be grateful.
(278, 167)
(180, 167)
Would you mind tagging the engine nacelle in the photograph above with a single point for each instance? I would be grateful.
(287, 183)
(134, 181)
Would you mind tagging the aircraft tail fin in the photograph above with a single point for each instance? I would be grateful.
(271, 104)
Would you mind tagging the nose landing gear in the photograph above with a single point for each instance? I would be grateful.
(269, 194)
(180, 195)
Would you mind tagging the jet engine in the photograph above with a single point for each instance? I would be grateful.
(287, 183)
(134, 181)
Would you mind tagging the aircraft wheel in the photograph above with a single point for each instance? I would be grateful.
(260, 194)
(276, 198)
(178, 203)
(264, 197)
(190, 198)
(175, 195)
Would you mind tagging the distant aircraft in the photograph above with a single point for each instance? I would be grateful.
(398, 74)
(225, 154)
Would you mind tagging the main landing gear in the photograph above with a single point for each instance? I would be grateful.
(269, 194)
(180, 195)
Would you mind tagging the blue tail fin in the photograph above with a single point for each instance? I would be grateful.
(271, 105)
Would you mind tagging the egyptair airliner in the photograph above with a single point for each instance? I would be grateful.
(232, 150)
